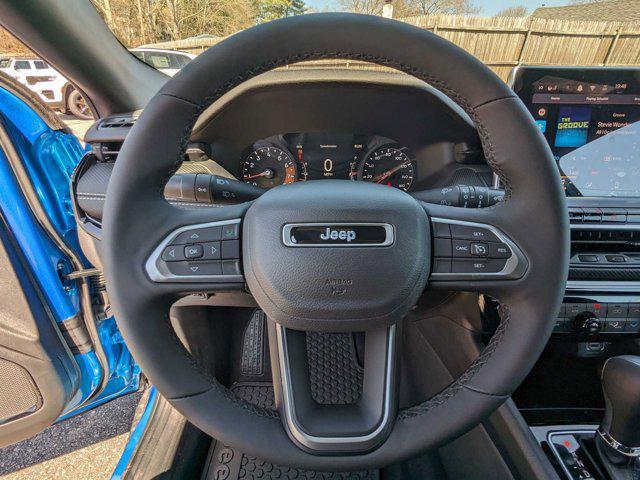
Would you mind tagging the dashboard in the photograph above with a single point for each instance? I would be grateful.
(299, 157)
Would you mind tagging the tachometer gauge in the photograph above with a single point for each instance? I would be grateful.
(388, 166)
(268, 166)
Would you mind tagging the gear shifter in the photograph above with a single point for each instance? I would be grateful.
(618, 437)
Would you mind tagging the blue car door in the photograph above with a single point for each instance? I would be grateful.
(60, 350)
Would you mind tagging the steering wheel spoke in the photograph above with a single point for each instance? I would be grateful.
(472, 251)
(328, 428)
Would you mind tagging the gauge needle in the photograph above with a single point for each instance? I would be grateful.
(267, 173)
(388, 173)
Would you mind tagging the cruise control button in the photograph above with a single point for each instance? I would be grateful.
(193, 251)
(499, 250)
(461, 248)
(231, 267)
(199, 235)
(195, 268)
(442, 247)
(231, 249)
(477, 266)
(479, 249)
(173, 253)
(211, 251)
(472, 233)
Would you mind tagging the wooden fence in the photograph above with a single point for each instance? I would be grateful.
(504, 42)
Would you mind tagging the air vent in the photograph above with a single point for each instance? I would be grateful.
(122, 121)
(106, 151)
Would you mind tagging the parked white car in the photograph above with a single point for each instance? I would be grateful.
(52, 87)
(167, 61)
(56, 91)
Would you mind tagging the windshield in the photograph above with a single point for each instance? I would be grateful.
(502, 33)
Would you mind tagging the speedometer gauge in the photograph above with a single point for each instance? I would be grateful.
(268, 166)
(388, 166)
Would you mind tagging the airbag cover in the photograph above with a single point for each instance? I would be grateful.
(347, 286)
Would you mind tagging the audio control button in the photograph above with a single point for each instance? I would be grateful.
(195, 268)
(173, 253)
(199, 235)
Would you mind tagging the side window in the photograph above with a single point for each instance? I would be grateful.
(22, 65)
(139, 55)
(5, 63)
(40, 65)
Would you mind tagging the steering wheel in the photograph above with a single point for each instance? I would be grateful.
(336, 256)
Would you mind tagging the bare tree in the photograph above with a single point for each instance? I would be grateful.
(432, 7)
(368, 7)
(516, 11)
(403, 8)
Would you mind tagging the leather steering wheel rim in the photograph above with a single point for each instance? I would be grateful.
(533, 215)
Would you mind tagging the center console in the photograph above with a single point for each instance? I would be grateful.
(590, 118)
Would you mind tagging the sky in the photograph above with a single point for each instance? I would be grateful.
(489, 7)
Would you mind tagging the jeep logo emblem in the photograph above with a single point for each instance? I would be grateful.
(348, 235)
(338, 234)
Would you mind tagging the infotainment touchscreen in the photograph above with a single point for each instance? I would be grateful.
(591, 120)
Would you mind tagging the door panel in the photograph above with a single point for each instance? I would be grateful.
(60, 351)
(38, 375)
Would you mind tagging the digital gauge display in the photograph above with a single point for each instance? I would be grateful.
(301, 157)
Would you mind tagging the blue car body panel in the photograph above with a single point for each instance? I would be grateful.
(49, 157)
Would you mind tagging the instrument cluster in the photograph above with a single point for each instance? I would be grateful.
(299, 157)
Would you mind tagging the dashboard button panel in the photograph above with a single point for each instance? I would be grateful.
(199, 253)
(592, 318)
